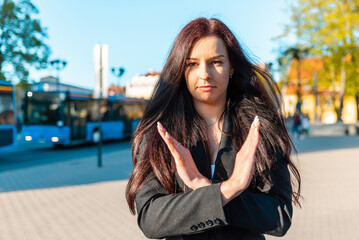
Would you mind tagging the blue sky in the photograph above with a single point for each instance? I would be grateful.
(140, 33)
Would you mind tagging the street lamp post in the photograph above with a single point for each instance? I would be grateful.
(117, 72)
(58, 65)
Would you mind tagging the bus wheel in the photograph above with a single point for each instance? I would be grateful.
(95, 136)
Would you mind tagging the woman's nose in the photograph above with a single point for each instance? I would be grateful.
(204, 72)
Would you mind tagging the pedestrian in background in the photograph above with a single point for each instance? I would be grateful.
(211, 153)
(297, 122)
(305, 126)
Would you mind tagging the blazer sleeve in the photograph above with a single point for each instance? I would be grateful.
(163, 215)
(267, 212)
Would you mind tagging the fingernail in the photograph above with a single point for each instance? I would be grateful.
(167, 135)
(255, 122)
(160, 126)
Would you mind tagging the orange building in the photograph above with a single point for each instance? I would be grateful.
(319, 91)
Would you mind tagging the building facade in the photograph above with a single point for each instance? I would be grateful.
(319, 93)
(142, 86)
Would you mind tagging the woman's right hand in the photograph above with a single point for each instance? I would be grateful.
(244, 166)
(186, 168)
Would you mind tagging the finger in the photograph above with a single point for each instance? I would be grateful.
(162, 131)
(254, 125)
(172, 144)
(255, 121)
(251, 143)
(256, 132)
(171, 139)
(165, 134)
(251, 132)
(175, 147)
(255, 140)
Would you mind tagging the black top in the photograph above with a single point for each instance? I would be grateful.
(199, 214)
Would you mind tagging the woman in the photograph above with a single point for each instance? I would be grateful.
(211, 153)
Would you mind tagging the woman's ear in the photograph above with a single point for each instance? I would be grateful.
(231, 71)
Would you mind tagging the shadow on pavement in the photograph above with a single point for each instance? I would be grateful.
(40, 168)
(324, 143)
(54, 167)
(43, 154)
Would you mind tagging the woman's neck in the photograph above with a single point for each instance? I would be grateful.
(210, 113)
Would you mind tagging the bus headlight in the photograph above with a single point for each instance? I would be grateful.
(28, 138)
(60, 123)
(54, 139)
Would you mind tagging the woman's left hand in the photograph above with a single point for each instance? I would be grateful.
(186, 168)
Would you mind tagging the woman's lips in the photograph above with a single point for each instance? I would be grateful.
(207, 87)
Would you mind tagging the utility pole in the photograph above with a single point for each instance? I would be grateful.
(315, 91)
(101, 69)
(343, 77)
(99, 155)
(117, 72)
(58, 65)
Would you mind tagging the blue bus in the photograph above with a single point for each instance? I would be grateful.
(67, 118)
(7, 116)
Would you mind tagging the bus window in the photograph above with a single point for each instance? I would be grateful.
(7, 116)
(92, 111)
(106, 111)
(6, 109)
(78, 112)
(134, 111)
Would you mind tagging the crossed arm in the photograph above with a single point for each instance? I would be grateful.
(243, 169)
(228, 203)
(163, 215)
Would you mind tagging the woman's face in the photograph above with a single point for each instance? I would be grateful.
(208, 70)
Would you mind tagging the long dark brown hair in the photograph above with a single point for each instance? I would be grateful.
(251, 91)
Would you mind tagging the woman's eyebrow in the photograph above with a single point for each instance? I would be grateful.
(214, 57)
(218, 56)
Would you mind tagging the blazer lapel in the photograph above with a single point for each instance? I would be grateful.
(225, 157)
(226, 154)
(201, 159)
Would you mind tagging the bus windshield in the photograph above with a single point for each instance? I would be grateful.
(44, 108)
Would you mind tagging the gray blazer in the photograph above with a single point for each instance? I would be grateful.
(199, 214)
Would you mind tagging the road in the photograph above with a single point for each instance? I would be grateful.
(42, 166)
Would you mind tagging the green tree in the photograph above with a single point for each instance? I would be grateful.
(296, 52)
(331, 28)
(22, 40)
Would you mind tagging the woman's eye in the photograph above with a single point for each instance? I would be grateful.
(191, 64)
(216, 62)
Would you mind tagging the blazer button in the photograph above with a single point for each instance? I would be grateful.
(209, 222)
(194, 228)
(217, 221)
(201, 225)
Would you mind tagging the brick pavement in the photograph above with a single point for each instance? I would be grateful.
(99, 211)
(330, 208)
(93, 211)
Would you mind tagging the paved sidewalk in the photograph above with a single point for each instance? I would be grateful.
(94, 211)
(330, 208)
(99, 211)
